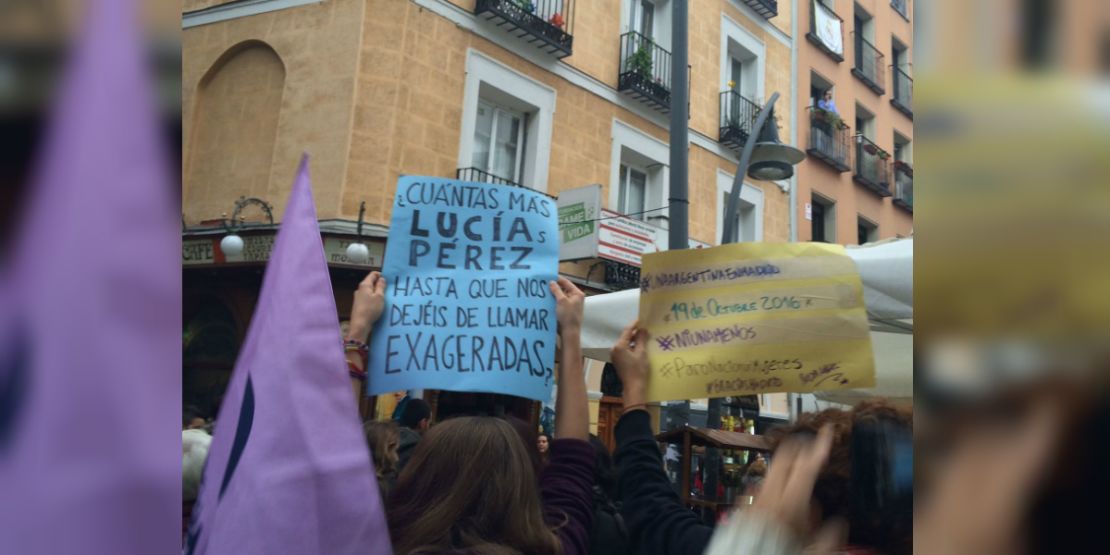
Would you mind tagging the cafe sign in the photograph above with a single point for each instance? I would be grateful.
(257, 248)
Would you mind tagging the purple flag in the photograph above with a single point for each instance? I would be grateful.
(90, 355)
(289, 470)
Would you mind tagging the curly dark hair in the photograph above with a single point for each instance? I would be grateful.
(890, 532)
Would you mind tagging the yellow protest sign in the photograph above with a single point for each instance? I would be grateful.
(754, 318)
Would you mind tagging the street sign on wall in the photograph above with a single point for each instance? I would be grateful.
(627, 239)
(588, 231)
(578, 214)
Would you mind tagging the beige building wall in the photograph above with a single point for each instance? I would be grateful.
(852, 200)
(318, 47)
(374, 89)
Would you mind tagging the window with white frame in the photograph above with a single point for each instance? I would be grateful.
(749, 216)
(633, 191)
(743, 57)
(499, 141)
(507, 123)
(643, 17)
(638, 176)
(736, 74)
(651, 18)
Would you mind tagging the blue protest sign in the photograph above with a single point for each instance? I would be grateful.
(467, 306)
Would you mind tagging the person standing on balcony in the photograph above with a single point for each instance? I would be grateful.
(827, 112)
(826, 103)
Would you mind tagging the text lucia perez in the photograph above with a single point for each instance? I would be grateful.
(448, 236)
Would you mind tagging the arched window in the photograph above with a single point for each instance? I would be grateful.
(234, 127)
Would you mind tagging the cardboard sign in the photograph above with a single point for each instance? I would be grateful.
(754, 318)
(468, 306)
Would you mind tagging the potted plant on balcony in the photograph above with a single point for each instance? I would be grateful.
(640, 64)
(903, 167)
(557, 20)
(832, 118)
(883, 155)
(868, 147)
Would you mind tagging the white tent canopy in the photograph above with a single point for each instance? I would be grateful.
(886, 269)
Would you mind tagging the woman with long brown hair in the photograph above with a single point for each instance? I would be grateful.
(471, 484)
(383, 438)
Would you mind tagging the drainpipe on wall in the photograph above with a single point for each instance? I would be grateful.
(794, 116)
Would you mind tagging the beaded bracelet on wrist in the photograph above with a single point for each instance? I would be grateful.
(356, 346)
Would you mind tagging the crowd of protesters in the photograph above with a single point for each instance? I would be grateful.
(836, 481)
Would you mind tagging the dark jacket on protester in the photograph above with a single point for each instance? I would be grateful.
(567, 495)
(610, 535)
(405, 446)
(658, 522)
(566, 488)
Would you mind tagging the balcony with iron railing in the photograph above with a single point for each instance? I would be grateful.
(870, 67)
(738, 115)
(645, 71)
(903, 92)
(872, 166)
(548, 24)
(765, 8)
(475, 174)
(481, 176)
(902, 7)
(830, 139)
(903, 185)
(826, 31)
(620, 276)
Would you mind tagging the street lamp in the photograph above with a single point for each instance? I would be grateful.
(358, 252)
(232, 244)
(764, 157)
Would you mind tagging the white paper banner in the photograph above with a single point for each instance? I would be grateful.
(827, 26)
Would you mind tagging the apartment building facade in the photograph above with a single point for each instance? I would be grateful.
(547, 94)
(855, 120)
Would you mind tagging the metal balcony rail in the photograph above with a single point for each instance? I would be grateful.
(738, 115)
(903, 185)
(902, 7)
(830, 139)
(475, 174)
(620, 275)
(872, 166)
(645, 70)
(903, 92)
(869, 65)
(549, 24)
(765, 8)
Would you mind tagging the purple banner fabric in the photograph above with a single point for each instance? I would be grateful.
(90, 381)
(289, 470)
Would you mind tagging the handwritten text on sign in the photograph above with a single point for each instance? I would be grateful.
(468, 306)
(754, 318)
